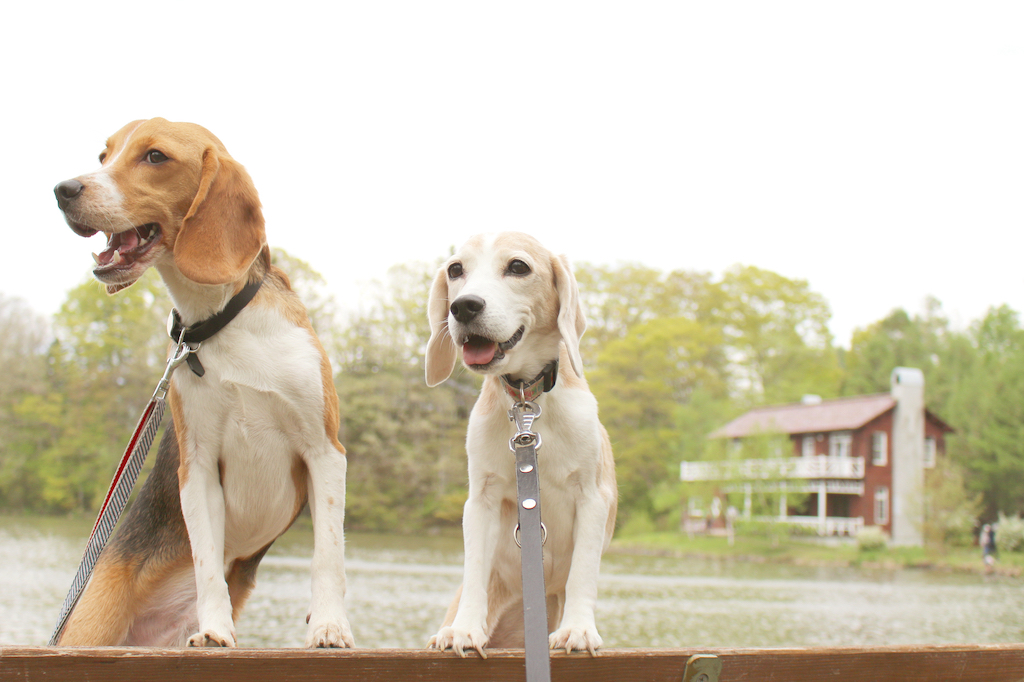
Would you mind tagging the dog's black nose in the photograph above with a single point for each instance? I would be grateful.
(66, 191)
(465, 308)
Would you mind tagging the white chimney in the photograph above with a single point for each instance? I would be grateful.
(907, 494)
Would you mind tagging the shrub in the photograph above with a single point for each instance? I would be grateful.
(950, 510)
(1010, 533)
(871, 538)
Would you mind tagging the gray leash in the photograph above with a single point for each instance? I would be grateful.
(121, 487)
(530, 535)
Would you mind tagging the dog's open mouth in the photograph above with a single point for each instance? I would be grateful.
(124, 248)
(478, 351)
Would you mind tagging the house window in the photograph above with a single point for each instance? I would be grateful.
(929, 453)
(807, 446)
(879, 448)
(881, 505)
(839, 444)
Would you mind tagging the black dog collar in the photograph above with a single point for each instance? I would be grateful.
(201, 331)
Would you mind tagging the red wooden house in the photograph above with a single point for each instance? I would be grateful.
(861, 460)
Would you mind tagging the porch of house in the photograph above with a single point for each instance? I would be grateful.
(828, 480)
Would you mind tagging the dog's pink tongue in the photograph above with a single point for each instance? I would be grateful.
(478, 352)
(118, 243)
(128, 240)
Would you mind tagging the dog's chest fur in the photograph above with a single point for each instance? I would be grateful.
(567, 466)
(250, 416)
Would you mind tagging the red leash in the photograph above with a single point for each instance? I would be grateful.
(126, 458)
(121, 487)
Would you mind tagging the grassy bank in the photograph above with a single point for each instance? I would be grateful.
(808, 551)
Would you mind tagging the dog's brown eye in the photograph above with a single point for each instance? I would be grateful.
(103, 155)
(155, 156)
(455, 270)
(518, 267)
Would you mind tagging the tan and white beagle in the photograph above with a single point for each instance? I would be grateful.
(513, 308)
(251, 439)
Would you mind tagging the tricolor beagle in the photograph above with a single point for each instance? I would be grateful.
(252, 438)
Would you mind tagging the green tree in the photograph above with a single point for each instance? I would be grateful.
(898, 340)
(23, 341)
(406, 442)
(617, 299)
(777, 332)
(951, 511)
(641, 382)
(988, 414)
(108, 353)
(666, 352)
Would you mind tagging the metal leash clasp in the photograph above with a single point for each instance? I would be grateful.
(523, 413)
(180, 355)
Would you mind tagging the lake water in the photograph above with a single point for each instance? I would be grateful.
(400, 587)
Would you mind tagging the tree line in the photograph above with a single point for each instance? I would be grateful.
(671, 356)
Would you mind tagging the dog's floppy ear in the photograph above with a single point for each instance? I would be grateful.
(571, 322)
(222, 233)
(441, 351)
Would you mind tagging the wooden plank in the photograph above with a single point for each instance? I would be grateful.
(948, 663)
(974, 663)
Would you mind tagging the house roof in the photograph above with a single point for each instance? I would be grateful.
(840, 414)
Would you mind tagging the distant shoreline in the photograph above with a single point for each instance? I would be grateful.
(803, 552)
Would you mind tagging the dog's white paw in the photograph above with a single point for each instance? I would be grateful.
(576, 639)
(460, 641)
(329, 635)
(211, 637)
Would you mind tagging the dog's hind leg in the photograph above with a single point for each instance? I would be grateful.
(150, 541)
(106, 609)
(242, 579)
(556, 603)
(508, 630)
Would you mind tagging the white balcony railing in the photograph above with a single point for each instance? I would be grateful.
(821, 467)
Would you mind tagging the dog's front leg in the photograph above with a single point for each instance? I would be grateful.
(578, 629)
(328, 624)
(481, 519)
(202, 504)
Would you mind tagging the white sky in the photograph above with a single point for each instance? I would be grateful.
(875, 149)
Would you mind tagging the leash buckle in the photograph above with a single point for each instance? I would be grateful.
(180, 355)
(523, 414)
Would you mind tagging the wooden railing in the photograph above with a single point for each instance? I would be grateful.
(951, 663)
